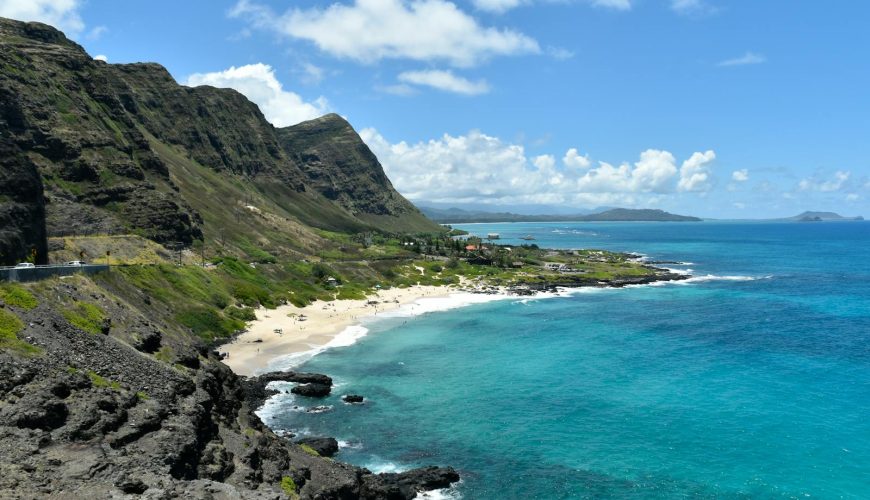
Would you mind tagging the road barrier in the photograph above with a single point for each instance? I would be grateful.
(36, 273)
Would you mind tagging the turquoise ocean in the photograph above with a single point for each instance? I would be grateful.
(751, 380)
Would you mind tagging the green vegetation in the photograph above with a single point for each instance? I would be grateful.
(311, 451)
(289, 487)
(142, 395)
(17, 296)
(99, 381)
(10, 326)
(208, 323)
(85, 316)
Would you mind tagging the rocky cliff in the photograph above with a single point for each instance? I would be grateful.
(101, 398)
(125, 149)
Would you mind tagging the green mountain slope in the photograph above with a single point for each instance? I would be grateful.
(125, 149)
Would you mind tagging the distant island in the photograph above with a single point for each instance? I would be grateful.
(456, 215)
(821, 217)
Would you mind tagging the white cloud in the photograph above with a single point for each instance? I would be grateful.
(612, 4)
(559, 53)
(497, 6)
(97, 32)
(479, 168)
(101, 57)
(692, 7)
(311, 73)
(444, 80)
(62, 14)
(695, 172)
(258, 83)
(853, 197)
(739, 205)
(370, 30)
(653, 173)
(825, 185)
(741, 175)
(573, 159)
(745, 59)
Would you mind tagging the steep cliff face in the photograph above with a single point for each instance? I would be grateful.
(339, 165)
(22, 208)
(116, 147)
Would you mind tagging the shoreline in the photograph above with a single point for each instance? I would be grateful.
(296, 334)
(289, 331)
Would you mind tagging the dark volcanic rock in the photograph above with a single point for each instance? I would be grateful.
(149, 342)
(352, 398)
(22, 206)
(406, 485)
(325, 446)
(255, 387)
(312, 390)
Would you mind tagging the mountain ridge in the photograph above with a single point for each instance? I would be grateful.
(123, 148)
(454, 215)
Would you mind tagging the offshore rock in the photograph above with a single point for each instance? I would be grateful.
(325, 446)
(312, 390)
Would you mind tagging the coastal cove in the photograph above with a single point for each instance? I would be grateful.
(748, 379)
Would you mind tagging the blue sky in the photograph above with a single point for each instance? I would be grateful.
(713, 108)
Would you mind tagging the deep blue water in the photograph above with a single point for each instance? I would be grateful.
(753, 386)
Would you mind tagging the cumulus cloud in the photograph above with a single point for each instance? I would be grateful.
(476, 167)
(745, 59)
(741, 175)
(62, 14)
(101, 57)
(370, 30)
(444, 80)
(825, 185)
(258, 83)
(695, 172)
(573, 159)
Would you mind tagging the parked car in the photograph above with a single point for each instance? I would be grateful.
(76, 263)
(24, 265)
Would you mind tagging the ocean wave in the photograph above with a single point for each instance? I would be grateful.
(451, 493)
(355, 445)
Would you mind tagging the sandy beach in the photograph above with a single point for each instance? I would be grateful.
(289, 329)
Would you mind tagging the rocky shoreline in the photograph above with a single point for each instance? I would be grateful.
(91, 416)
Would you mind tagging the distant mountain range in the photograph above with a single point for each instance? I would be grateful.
(457, 215)
(821, 217)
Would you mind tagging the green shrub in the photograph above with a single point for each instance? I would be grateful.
(289, 487)
(99, 381)
(85, 316)
(208, 324)
(311, 451)
(18, 296)
(241, 313)
(10, 325)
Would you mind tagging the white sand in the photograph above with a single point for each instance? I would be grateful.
(323, 322)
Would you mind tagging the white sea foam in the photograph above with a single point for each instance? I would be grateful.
(451, 493)
(355, 445)
(379, 466)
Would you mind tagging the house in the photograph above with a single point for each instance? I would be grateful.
(492, 236)
(331, 281)
(471, 248)
(517, 264)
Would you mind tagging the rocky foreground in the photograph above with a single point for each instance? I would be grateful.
(93, 417)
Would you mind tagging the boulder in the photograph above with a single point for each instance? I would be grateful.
(352, 398)
(406, 485)
(325, 446)
(312, 390)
